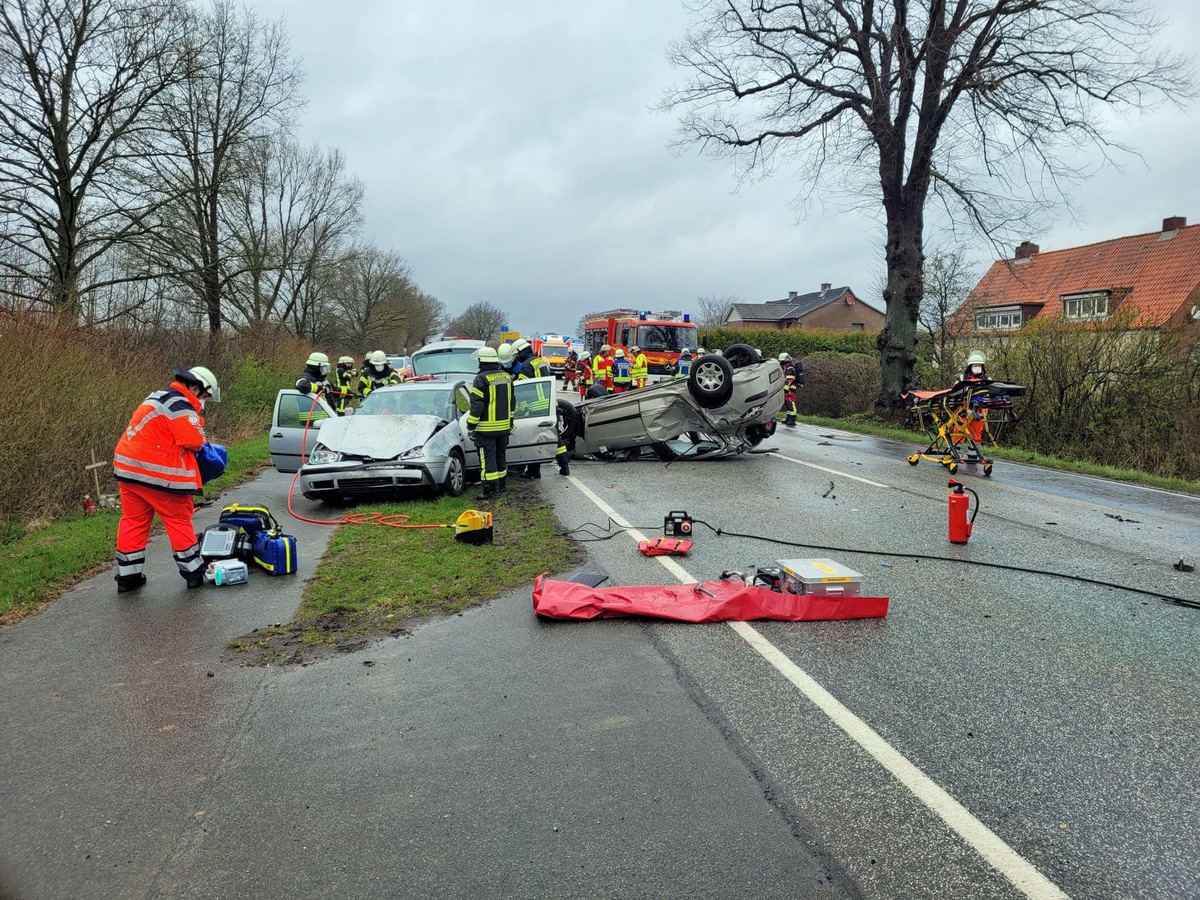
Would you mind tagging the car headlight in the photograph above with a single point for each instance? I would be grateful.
(322, 455)
(414, 453)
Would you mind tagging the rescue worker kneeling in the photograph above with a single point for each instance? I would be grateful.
(490, 420)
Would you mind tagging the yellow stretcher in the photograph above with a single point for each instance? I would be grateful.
(961, 419)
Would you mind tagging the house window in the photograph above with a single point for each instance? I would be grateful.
(1000, 318)
(857, 326)
(1085, 307)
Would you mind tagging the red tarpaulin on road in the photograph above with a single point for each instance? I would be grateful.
(724, 601)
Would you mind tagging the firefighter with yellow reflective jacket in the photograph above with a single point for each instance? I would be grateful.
(641, 367)
(527, 364)
(490, 420)
(376, 373)
(343, 383)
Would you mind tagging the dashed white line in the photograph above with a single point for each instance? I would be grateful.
(1020, 872)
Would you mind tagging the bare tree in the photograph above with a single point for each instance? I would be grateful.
(981, 105)
(479, 320)
(241, 88)
(949, 277)
(713, 309)
(76, 80)
(377, 303)
(295, 210)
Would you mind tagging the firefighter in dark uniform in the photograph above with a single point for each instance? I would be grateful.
(376, 373)
(789, 389)
(315, 376)
(345, 378)
(490, 420)
(527, 364)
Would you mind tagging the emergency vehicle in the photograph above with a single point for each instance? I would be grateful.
(659, 335)
(553, 348)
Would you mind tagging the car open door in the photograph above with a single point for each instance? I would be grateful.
(535, 433)
(294, 414)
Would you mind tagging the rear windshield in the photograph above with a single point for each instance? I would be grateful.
(458, 360)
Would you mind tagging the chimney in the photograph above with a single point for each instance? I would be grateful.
(791, 295)
(1026, 250)
(1174, 223)
(825, 285)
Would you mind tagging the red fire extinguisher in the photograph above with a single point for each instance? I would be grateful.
(960, 525)
(89, 505)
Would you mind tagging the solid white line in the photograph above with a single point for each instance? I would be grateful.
(1019, 871)
(801, 462)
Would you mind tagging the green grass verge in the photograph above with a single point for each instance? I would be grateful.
(399, 574)
(39, 564)
(880, 428)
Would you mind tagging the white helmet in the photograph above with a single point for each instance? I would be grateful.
(685, 352)
(377, 358)
(316, 358)
(701, 350)
(505, 353)
(345, 361)
(605, 348)
(520, 344)
(206, 379)
(785, 357)
(976, 358)
(487, 355)
(620, 354)
(635, 349)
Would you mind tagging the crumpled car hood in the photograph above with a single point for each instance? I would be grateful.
(378, 437)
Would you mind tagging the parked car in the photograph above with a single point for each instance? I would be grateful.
(725, 406)
(403, 437)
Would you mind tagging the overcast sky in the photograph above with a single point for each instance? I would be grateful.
(510, 152)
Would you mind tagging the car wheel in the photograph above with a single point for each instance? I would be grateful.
(741, 355)
(711, 381)
(568, 420)
(456, 477)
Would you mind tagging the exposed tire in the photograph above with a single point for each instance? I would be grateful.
(741, 355)
(710, 381)
(568, 420)
(456, 477)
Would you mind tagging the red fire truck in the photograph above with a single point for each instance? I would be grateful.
(659, 335)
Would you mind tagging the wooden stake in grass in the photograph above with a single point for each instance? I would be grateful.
(94, 467)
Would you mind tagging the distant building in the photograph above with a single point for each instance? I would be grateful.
(830, 308)
(1156, 276)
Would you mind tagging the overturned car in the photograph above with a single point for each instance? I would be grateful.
(725, 406)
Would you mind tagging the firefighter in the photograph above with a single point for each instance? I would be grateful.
(315, 376)
(789, 389)
(505, 354)
(345, 377)
(570, 368)
(641, 367)
(156, 470)
(585, 377)
(683, 365)
(622, 372)
(602, 368)
(975, 370)
(528, 364)
(376, 373)
(490, 420)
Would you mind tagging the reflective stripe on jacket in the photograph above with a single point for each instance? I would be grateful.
(159, 444)
(622, 371)
(492, 401)
(641, 368)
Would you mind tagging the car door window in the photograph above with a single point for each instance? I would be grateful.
(462, 400)
(298, 410)
(533, 397)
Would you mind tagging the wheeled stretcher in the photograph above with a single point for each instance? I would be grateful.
(961, 419)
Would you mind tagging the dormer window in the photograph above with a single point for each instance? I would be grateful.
(1089, 307)
(998, 318)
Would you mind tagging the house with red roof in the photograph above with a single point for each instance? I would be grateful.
(1154, 276)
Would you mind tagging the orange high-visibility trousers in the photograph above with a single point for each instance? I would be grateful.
(139, 504)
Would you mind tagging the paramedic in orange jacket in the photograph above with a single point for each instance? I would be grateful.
(155, 466)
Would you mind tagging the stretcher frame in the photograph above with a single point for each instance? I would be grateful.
(961, 418)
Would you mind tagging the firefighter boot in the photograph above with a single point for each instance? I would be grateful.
(503, 483)
(790, 421)
(564, 464)
(490, 490)
(126, 583)
(194, 579)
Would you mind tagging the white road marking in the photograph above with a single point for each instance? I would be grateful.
(1020, 872)
(801, 462)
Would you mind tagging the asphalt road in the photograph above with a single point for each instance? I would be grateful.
(1001, 733)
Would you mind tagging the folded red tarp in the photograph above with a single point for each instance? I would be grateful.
(724, 601)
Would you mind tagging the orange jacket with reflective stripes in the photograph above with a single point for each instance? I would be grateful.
(158, 448)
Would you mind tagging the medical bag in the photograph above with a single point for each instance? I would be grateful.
(275, 552)
(251, 518)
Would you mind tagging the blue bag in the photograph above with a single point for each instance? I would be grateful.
(211, 460)
(275, 552)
